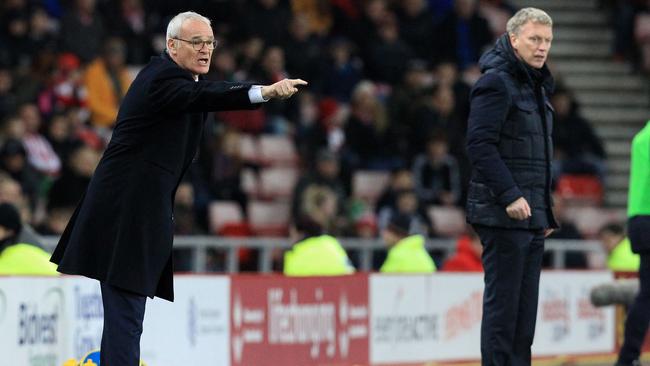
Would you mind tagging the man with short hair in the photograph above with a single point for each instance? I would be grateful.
(509, 197)
(121, 232)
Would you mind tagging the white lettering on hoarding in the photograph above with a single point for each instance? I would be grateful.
(301, 323)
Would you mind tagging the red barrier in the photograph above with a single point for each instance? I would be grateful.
(299, 321)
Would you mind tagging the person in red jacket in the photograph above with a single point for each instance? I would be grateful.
(468, 255)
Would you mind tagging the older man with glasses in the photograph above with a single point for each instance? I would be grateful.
(121, 231)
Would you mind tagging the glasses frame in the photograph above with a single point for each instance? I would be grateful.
(209, 44)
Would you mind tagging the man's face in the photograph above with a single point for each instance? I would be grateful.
(197, 62)
(533, 43)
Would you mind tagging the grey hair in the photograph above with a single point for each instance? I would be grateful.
(526, 15)
(174, 26)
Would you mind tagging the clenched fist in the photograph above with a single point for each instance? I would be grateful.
(283, 89)
(519, 209)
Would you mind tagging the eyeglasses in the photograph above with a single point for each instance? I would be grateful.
(198, 43)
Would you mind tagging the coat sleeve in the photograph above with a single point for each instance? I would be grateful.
(489, 105)
(173, 90)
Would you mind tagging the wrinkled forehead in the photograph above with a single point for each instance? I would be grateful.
(194, 28)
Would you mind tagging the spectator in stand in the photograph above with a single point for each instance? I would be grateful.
(578, 150)
(403, 101)
(436, 113)
(436, 174)
(303, 52)
(268, 20)
(185, 223)
(388, 54)
(407, 205)
(59, 134)
(13, 160)
(342, 71)
(468, 254)
(406, 253)
(40, 153)
(365, 131)
(446, 74)
(249, 56)
(8, 102)
(625, 15)
(222, 165)
(128, 20)
(416, 27)
(317, 14)
(618, 248)
(271, 70)
(106, 80)
(10, 192)
(68, 189)
(66, 89)
(41, 32)
(17, 257)
(401, 179)
(325, 174)
(56, 220)
(466, 34)
(82, 30)
(15, 27)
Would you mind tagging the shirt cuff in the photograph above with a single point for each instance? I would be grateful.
(255, 94)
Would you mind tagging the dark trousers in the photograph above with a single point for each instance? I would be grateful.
(512, 260)
(638, 317)
(123, 316)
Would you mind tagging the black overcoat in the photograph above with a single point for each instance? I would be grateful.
(121, 232)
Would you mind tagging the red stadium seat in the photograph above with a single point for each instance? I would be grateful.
(277, 182)
(368, 185)
(276, 150)
(223, 215)
(580, 189)
(269, 218)
(447, 221)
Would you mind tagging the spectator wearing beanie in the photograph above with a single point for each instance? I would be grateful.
(406, 253)
(19, 258)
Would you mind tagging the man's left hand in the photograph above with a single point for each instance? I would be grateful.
(283, 89)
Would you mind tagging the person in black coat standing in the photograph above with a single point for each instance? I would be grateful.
(509, 197)
(121, 232)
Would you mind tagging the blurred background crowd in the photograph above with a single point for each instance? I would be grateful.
(378, 132)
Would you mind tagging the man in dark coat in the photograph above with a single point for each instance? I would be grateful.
(509, 198)
(121, 231)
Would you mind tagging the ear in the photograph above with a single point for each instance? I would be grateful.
(171, 46)
(514, 41)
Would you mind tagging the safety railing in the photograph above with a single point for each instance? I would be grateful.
(200, 245)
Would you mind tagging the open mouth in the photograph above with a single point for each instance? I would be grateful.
(204, 61)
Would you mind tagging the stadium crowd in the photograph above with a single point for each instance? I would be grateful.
(388, 92)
